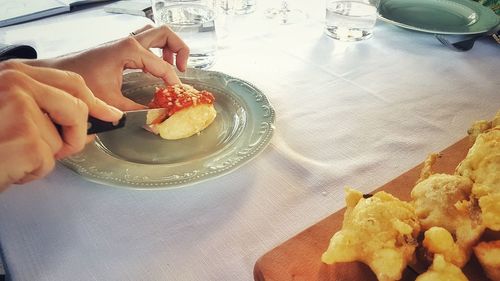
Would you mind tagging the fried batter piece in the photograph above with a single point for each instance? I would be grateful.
(443, 271)
(379, 231)
(444, 200)
(438, 240)
(488, 254)
(482, 166)
(481, 126)
(482, 163)
(490, 209)
(478, 128)
(496, 120)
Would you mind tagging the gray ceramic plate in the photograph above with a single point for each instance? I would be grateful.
(457, 17)
(133, 157)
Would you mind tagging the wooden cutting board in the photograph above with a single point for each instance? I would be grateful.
(300, 257)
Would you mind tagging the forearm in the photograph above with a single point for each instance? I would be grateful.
(57, 63)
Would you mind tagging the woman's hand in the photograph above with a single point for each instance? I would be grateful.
(163, 37)
(102, 67)
(32, 99)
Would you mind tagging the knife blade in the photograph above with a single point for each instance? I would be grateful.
(95, 126)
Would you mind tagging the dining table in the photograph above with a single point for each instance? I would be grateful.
(344, 114)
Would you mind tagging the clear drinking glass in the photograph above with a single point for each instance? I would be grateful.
(194, 22)
(242, 7)
(351, 20)
(286, 15)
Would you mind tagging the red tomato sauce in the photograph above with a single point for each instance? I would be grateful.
(177, 97)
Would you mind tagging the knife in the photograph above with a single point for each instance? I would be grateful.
(95, 126)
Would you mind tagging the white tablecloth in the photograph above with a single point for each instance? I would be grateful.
(348, 114)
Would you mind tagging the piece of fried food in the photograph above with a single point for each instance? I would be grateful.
(482, 166)
(488, 254)
(438, 240)
(481, 126)
(379, 231)
(426, 171)
(477, 128)
(496, 120)
(442, 270)
(444, 200)
(438, 201)
(490, 209)
(482, 163)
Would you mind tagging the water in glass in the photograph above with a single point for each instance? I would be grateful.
(350, 20)
(195, 24)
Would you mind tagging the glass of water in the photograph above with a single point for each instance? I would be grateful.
(351, 20)
(194, 22)
(238, 7)
(286, 15)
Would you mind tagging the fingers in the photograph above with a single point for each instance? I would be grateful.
(142, 29)
(90, 138)
(144, 59)
(43, 163)
(20, 107)
(27, 143)
(162, 70)
(49, 96)
(73, 84)
(69, 112)
(24, 160)
(102, 110)
(168, 56)
(163, 37)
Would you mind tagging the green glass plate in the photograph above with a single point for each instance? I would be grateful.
(458, 17)
(133, 157)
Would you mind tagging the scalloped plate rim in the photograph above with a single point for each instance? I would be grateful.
(74, 164)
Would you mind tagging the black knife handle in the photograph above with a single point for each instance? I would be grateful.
(95, 125)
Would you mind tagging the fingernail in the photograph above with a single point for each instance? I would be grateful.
(111, 109)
